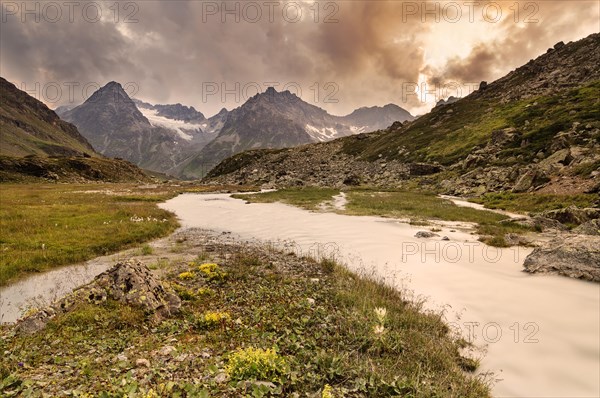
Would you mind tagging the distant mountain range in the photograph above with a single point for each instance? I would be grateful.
(181, 141)
(155, 137)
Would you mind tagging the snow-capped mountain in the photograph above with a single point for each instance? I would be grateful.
(148, 136)
(281, 119)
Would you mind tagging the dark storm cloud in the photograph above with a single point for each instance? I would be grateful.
(177, 48)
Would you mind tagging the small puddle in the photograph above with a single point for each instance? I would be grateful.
(39, 290)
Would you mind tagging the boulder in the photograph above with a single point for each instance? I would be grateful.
(516, 240)
(128, 282)
(423, 169)
(575, 256)
(529, 180)
(537, 222)
(559, 158)
(505, 136)
(591, 227)
(425, 234)
(572, 215)
(395, 126)
(473, 160)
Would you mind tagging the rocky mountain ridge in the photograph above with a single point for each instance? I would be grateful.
(37, 146)
(116, 127)
(181, 141)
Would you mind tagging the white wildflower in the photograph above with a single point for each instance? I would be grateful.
(378, 330)
(381, 314)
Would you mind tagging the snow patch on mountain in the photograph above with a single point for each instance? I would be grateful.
(358, 130)
(322, 134)
(179, 126)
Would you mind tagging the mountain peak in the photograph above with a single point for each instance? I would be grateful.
(113, 84)
(114, 93)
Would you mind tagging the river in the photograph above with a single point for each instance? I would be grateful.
(541, 332)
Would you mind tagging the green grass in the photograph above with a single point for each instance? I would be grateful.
(410, 204)
(48, 225)
(534, 203)
(317, 317)
(146, 250)
(307, 198)
(45, 226)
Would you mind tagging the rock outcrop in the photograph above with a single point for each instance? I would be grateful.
(589, 228)
(575, 256)
(129, 282)
(573, 215)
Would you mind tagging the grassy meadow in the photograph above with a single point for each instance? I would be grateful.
(48, 225)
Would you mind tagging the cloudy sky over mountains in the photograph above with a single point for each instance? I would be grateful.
(337, 55)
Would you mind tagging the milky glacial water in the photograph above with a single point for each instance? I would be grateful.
(40, 290)
(541, 333)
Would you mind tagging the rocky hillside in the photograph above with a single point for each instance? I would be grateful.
(537, 128)
(30, 128)
(72, 169)
(281, 119)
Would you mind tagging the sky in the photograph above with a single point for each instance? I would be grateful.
(338, 55)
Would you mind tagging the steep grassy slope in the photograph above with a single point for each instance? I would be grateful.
(30, 128)
(450, 133)
(36, 145)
